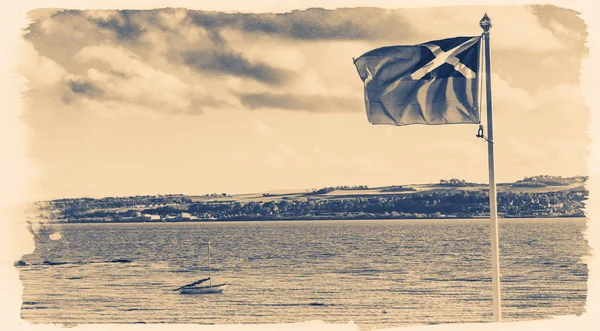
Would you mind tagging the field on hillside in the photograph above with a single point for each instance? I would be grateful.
(540, 196)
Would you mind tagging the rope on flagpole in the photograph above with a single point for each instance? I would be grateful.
(479, 80)
(480, 133)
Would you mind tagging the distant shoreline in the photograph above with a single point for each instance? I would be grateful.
(536, 197)
(583, 218)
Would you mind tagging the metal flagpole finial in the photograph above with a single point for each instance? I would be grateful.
(485, 23)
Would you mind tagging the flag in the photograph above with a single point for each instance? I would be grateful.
(429, 83)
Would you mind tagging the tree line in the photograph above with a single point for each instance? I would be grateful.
(432, 204)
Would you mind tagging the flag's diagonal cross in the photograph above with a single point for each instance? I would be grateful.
(369, 76)
(449, 57)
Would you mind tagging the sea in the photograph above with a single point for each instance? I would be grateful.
(376, 273)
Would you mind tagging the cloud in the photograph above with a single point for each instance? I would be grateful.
(125, 78)
(181, 61)
(562, 109)
(509, 99)
(565, 24)
(61, 35)
(514, 27)
(40, 71)
(312, 24)
(201, 49)
(122, 23)
(83, 87)
(105, 86)
(152, 36)
(312, 103)
(551, 136)
(234, 64)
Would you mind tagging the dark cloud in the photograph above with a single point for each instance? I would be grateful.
(123, 24)
(120, 74)
(234, 64)
(86, 88)
(78, 88)
(312, 24)
(76, 29)
(313, 103)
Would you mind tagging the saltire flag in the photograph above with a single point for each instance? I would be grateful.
(429, 83)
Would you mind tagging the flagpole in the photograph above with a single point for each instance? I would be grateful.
(486, 24)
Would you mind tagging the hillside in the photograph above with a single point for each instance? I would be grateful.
(540, 196)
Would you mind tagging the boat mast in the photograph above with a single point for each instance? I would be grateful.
(209, 278)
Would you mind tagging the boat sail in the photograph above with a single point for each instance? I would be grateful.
(193, 288)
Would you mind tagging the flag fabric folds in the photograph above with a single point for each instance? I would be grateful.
(429, 83)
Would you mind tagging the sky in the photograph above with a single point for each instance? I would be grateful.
(188, 101)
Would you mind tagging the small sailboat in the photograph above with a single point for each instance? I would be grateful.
(193, 288)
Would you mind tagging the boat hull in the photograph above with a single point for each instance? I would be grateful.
(203, 289)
